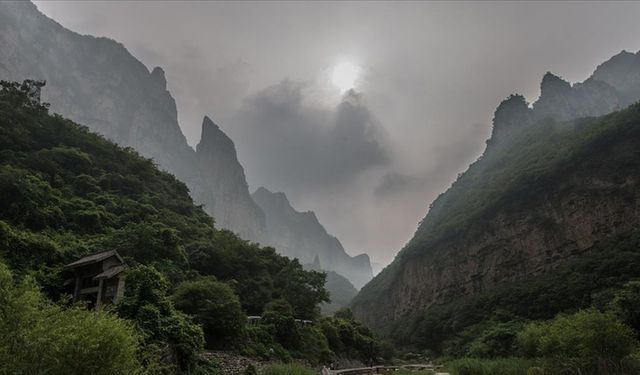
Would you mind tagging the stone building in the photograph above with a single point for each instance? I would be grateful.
(98, 278)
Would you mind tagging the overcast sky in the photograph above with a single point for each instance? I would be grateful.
(368, 162)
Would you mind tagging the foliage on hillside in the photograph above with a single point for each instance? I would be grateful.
(66, 192)
(40, 337)
(460, 327)
(506, 179)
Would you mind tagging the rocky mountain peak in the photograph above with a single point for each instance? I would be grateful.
(622, 71)
(228, 199)
(157, 75)
(214, 140)
(278, 199)
(512, 113)
(552, 85)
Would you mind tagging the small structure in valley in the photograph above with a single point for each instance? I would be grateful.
(99, 278)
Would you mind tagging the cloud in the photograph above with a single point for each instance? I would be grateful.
(397, 183)
(287, 142)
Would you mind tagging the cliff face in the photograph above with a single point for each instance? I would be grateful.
(545, 191)
(225, 183)
(300, 235)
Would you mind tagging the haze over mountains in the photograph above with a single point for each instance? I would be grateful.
(549, 190)
(97, 82)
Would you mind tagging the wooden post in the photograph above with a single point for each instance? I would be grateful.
(76, 291)
(120, 290)
(99, 298)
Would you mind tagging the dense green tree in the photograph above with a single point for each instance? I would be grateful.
(279, 314)
(215, 306)
(626, 304)
(147, 304)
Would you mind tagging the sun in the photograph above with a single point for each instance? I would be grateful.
(345, 76)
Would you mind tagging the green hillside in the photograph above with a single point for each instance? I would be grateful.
(66, 193)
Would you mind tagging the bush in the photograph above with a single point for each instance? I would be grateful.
(588, 341)
(215, 306)
(40, 337)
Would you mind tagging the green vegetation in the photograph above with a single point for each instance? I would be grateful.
(66, 193)
(487, 325)
(215, 306)
(341, 290)
(501, 366)
(41, 337)
(588, 341)
(287, 369)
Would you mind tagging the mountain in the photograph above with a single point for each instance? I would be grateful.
(341, 290)
(542, 222)
(224, 189)
(97, 82)
(300, 235)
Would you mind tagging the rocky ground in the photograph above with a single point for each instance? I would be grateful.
(231, 363)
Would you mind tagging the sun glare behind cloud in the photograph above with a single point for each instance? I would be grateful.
(345, 76)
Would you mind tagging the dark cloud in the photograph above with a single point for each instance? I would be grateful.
(287, 142)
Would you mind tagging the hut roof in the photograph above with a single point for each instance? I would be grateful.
(95, 258)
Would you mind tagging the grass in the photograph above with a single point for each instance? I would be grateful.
(409, 372)
(288, 369)
(501, 366)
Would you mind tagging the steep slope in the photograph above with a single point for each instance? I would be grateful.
(300, 235)
(97, 82)
(544, 193)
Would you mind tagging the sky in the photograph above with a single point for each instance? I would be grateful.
(370, 160)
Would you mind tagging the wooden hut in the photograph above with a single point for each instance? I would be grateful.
(99, 278)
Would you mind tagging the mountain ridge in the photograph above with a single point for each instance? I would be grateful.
(472, 239)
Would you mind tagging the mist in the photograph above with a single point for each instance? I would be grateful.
(370, 161)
